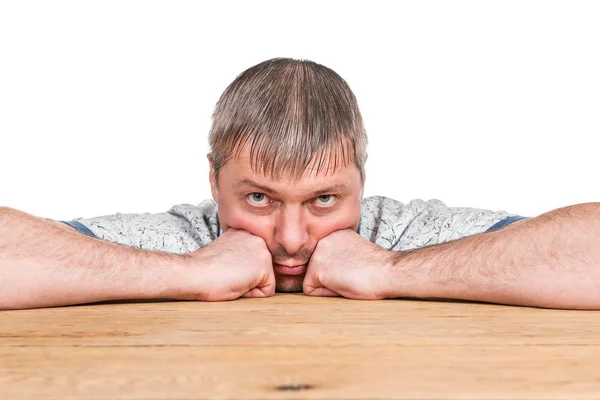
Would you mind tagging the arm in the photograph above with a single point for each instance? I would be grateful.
(552, 260)
(45, 263)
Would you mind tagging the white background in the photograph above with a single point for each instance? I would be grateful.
(105, 106)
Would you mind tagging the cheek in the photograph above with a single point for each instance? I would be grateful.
(347, 218)
(234, 215)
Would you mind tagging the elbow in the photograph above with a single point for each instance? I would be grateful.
(5, 211)
(6, 214)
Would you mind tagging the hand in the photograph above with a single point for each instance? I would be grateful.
(237, 264)
(346, 264)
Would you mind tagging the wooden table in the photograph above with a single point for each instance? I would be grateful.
(295, 346)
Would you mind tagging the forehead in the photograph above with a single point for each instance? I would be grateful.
(240, 173)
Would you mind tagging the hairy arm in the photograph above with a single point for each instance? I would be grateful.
(552, 260)
(44, 263)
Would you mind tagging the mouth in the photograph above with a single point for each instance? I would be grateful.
(290, 270)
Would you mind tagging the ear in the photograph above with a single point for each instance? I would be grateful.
(214, 187)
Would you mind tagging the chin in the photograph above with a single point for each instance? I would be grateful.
(288, 283)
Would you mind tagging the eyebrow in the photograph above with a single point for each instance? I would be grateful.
(337, 188)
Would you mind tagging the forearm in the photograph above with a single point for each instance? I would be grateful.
(549, 261)
(44, 265)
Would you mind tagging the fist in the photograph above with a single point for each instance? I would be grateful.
(236, 264)
(346, 264)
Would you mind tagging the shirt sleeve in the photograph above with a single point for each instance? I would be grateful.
(420, 223)
(160, 232)
(80, 227)
(504, 222)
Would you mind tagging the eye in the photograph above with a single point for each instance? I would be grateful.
(259, 199)
(326, 200)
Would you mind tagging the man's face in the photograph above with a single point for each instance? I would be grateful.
(290, 216)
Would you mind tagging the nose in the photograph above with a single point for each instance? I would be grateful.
(291, 231)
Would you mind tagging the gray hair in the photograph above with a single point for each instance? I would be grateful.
(291, 113)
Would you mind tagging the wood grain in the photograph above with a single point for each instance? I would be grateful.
(295, 346)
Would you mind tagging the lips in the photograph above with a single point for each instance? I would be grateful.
(289, 270)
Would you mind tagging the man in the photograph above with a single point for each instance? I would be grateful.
(287, 157)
